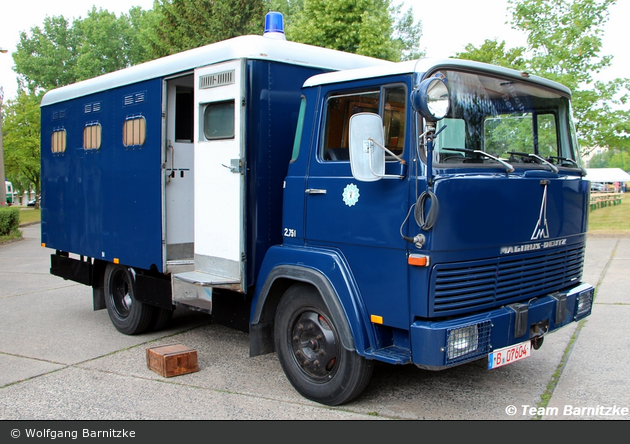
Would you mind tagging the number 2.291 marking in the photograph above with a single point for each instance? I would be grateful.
(290, 232)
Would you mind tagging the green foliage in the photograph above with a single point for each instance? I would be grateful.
(564, 44)
(105, 45)
(611, 159)
(185, 24)
(494, 53)
(48, 57)
(9, 221)
(21, 141)
(620, 159)
(564, 38)
(368, 27)
(65, 51)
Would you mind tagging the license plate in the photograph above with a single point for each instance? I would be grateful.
(508, 355)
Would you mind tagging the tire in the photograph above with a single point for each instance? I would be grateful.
(161, 317)
(128, 315)
(310, 351)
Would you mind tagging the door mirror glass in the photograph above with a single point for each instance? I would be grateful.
(367, 159)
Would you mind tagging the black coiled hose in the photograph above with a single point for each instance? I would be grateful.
(426, 223)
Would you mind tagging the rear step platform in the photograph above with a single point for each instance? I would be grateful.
(204, 279)
(194, 289)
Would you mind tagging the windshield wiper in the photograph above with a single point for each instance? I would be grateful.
(507, 166)
(571, 161)
(536, 156)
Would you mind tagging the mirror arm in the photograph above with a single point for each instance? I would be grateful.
(385, 176)
(400, 159)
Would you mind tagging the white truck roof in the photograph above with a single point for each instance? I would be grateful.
(249, 47)
(424, 65)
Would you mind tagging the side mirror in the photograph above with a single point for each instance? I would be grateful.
(367, 160)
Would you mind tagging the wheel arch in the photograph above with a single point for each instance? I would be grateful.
(343, 304)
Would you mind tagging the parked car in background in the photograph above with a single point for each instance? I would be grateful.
(32, 203)
(598, 186)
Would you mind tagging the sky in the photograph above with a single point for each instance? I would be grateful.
(447, 29)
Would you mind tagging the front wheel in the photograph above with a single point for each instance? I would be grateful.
(128, 315)
(310, 351)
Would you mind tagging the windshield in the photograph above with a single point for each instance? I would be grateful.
(509, 119)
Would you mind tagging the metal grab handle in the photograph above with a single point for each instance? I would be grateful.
(172, 173)
(315, 191)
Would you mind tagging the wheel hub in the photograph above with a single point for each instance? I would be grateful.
(314, 344)
(127, 301)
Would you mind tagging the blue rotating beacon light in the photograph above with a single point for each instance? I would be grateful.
(274, 26)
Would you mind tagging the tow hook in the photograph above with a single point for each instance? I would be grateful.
(537, 332)
(537, 342)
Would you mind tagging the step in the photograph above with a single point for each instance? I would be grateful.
(391, 355)
(204, 279)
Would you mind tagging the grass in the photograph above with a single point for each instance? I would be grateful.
(613, 220)
(28, 215)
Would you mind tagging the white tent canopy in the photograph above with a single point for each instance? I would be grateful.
(607, 175)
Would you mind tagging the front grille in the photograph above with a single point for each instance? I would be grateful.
(466, 287)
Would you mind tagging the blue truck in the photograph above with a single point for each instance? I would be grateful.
(340, 209)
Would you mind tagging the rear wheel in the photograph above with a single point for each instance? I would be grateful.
(128, 315)
(161, 317)
(310, 350)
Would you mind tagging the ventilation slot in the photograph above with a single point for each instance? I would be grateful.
(217, 79)
(135, 99)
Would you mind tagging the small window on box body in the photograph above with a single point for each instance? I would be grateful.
(134, 131)
(218, 120)
(92, 136)
(58, 141)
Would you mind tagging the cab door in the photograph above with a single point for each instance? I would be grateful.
(219, 181)
(362, 219)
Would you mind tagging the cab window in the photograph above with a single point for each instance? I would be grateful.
(389, 102)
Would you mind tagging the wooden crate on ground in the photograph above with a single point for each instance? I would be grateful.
(172, 360)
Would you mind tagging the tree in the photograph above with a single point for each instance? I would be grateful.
(495, 53)
(21, 141)
(48, 57)
(564, 44)
(368, 27)
(620, 159)
(65, 51)
(106, 44)
(185, 24)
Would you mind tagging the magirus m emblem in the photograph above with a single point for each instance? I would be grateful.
(542, 229)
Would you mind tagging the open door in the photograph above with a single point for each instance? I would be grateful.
(219, 180)
(178, 160)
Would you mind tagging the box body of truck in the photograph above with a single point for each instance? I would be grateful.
(131, 179)
(430, 212)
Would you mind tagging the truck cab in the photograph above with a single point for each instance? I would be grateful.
(435, 213)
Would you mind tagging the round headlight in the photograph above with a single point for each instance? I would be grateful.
(431, 99)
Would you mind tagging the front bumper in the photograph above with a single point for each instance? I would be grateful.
(438, 345)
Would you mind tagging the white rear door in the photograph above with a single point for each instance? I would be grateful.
(219, 180)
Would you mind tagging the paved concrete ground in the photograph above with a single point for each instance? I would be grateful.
(61, 360)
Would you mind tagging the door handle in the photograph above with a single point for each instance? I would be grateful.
(315, 191)
(235, 166)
